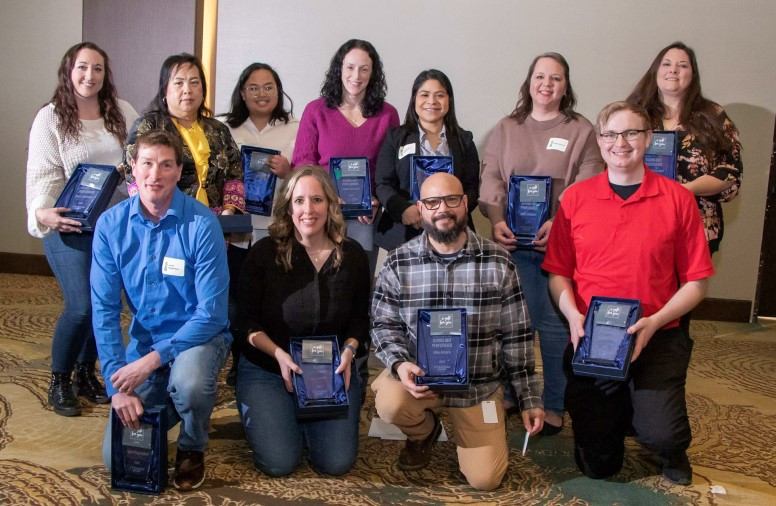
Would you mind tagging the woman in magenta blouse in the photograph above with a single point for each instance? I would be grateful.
(350, 119)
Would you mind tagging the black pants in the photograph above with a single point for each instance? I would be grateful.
(652, 399)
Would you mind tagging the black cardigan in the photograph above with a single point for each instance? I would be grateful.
(393, 182)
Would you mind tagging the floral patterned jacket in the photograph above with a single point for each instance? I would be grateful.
(693, 162)
(224, 184)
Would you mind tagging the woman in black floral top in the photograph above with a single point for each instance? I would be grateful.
(709, 155)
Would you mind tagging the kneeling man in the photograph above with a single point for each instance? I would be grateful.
(449, 266)
(166, 252)
(630, 233)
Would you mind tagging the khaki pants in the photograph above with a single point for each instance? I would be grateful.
(482, 447)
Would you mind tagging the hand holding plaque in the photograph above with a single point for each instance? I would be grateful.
(528, 208)
(352, 181)
(442, 349)
(88, 193)
(606, 349)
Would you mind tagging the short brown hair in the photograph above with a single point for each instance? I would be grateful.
(609, 110)
(159, 138)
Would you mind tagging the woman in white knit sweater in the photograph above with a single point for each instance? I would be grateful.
(84, 122)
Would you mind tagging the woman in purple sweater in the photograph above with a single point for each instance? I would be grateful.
(350, 119)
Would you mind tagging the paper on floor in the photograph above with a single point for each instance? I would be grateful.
(385, 430)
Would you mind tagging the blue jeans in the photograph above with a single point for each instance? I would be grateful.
(547, 319)
(187, 387)
(70, 258)
(277, 438)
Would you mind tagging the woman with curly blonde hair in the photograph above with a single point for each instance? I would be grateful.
(306, 279)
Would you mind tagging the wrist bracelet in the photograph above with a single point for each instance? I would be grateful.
(349, 347)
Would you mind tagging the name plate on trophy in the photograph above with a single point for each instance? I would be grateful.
(606, 349)
(260, 182)
(660, 155)
(422, 167)
(319, 391)
(442, 346)
(352, 180)
(528, 207)
(88, 193)
(139, 456)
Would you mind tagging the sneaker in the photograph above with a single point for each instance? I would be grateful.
(417, 454)
(677, 469)
(60, 395)
(189, 470)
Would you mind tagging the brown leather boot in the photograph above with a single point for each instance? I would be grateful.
(417, 454)
(189, 470)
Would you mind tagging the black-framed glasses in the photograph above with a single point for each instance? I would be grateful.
(433, 203)
(628, 135)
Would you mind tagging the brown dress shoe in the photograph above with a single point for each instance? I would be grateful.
(417, 454)
(189, 470)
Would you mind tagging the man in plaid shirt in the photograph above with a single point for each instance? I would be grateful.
(449, 266)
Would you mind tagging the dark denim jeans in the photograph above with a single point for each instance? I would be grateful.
(70, 257)
(277, 438)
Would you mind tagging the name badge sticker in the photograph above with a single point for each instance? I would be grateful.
(558, 144)
(407, 149)
(173, 266)
(489, 414)
(445, 323)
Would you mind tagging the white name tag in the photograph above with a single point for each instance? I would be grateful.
(407, 149)
(558, 144)
(489, 414)
(173, 266)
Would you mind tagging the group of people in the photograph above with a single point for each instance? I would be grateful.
(616, 229)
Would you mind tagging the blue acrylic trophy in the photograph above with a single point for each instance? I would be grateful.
(139, 456)
(319, 392)
(442, 349)
(88, 193)
(661, 153)
(606, 349)
(528, 207)
(260, 182)
(421, 167)
(352, 181)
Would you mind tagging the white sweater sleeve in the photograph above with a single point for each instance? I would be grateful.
(45, 169)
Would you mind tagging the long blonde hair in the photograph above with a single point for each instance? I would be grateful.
(282, 228)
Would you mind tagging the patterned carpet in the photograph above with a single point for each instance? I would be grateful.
(48, 459)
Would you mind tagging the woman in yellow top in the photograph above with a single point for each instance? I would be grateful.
(212, 171)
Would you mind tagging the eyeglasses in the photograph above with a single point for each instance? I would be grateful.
(628, 135)
(451, 201)
(253, 91)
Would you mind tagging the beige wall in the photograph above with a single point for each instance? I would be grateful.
(485, 48)
(34, 34)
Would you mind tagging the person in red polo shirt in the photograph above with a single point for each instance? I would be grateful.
(630, 233)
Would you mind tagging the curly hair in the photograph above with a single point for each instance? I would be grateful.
(66, 108)
(282, 228)
(525, 102)
(238, 111)
(697, 114)
(331, 90)
(170, 65)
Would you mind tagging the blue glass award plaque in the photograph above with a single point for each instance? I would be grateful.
(528, 207)
(660, 156)
(352, 180)
(235, 223)
(139, 456)
(319, 391)
(259, 181)
(421, 167)
(443, 345)
(606, 349)
(88, 193)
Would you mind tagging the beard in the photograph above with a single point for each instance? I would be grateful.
(445, 236)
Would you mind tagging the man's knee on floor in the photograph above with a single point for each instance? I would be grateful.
(483, 477)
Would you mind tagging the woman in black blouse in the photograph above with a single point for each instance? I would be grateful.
(306, 279)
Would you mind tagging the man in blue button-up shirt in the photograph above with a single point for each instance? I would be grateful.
(166, 251)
